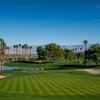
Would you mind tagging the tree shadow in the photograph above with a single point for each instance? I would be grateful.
(32, 62)
(72, 66)
(59, 66)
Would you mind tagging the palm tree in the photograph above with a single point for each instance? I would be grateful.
(30, 47)
(2, 50)
(14, 46)
(25, 50)
(85, 44)
(19, 46)
(81, 49)
(22, 49)
(76, 49)
(2, 42)
(7, 50)
(73, 49)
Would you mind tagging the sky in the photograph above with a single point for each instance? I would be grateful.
(39, 22)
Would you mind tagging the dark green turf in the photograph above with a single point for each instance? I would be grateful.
(49, 85)
(33, 64)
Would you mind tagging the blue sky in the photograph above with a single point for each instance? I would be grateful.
(44, 21)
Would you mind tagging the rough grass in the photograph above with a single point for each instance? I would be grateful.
(33, 64)
(49, 85)
(44, 65)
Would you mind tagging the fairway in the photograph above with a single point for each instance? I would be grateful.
(50, 85)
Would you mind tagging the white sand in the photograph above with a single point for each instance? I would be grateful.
(91, 70)
(2, 76)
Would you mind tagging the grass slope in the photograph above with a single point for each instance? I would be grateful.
(49, 85)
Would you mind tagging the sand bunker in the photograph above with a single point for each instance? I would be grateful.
(92, 70)
(2, 76)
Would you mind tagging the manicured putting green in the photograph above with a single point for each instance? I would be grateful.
(50, 85)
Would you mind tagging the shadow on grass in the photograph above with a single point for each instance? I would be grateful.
(33, 62)
(72, 66)
(54, 66)
(76, 66)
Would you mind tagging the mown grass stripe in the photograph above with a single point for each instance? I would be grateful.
(13, 86)
(25, 84)
(21, 84)
(84, 83)
(3, 83)
(60, 90)
(87, 84)
(73, 84)
(69, 88)
(9, 85)
(6, 85)
(49, 86)
(17, 85)
(53, 83)
(37, 85)
(54, 87)
(42, 87)
(32, 84)
(92, 81)
(84, 90)
(29, 80)
(65, 92)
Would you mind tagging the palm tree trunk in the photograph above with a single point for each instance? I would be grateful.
(85, 61)
(30, 52)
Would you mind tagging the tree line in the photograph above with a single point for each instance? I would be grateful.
(20, 49)
(53, 52)
(94, 54)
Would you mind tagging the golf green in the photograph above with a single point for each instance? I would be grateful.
(49, 85)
